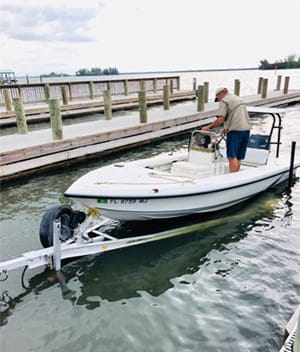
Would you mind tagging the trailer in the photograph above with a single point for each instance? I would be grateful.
(84, 241)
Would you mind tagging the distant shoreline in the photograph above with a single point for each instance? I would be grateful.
(167, 72)
(151, 72)
(197, 70)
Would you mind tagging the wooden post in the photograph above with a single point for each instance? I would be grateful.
(178, 83)
(155, 85)
(64, 95)
(260, 82)
(20, 92)
(200, 96)
(55, 118)
(166, 97)
(70, 91)
(143, 106)
(142, 84)
(171, 86)
(20, 115)
(264, 88)
(47, 92)
(237, 87)
(41, 78)
(126, 87)
(27, 79)
(195, 84)
(91, 90)
(278, 82)
(286, 85)
(107, 104)
(107, 85)
(7, 99)
(206, 91)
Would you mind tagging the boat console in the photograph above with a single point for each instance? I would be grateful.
(206, 156)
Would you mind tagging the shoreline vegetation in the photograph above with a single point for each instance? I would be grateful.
(95, 71)
(290, 62)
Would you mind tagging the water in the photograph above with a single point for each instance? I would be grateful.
(249, 79)
(229, 283)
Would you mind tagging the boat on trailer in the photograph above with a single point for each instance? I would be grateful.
(175, 185)
(180, 184)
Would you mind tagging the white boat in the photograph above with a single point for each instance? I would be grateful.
(179, 184)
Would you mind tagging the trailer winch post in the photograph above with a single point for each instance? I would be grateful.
(56, 245)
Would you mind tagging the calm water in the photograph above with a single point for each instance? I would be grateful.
(229, 283)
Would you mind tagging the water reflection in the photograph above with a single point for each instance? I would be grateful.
(152, 268)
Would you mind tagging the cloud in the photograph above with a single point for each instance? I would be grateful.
(44, 22)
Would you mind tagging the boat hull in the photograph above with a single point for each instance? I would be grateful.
(138, 208)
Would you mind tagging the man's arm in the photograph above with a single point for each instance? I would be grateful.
(218, 122)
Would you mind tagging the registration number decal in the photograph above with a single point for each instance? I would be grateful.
(122, 201)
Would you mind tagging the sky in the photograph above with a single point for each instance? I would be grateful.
(43, 36)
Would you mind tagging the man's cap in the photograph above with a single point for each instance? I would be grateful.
(221, 89)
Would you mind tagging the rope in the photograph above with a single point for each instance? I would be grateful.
(152, 174)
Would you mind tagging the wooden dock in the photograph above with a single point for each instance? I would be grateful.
(40, 112)
(36, 152)
(86, 89)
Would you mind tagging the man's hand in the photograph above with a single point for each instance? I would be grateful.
(224, 132)
(205, 128)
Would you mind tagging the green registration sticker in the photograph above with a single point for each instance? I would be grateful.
(102, 201)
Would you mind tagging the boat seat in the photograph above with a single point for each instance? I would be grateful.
(189, 169)
(256, 157)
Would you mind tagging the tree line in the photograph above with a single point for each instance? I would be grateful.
(85, 72)
(289, 62)
(96, 71)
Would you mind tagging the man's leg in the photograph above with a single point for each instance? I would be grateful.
(234, 164)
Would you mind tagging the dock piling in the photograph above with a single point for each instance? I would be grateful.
(20, 93)
(7, 100)
(237, 87)
(55, 118)
(20, 116)
(195, 84)
(125, 87)
(264, 89)
(70, 91)
(47, 92)
(142, 84)
(154, 85)
(166, 97)
(64, 95)
(91, 90)
(171, 86)
(200, 96)
(178, 84)
(278, 84)
(107, 104)
(206, 91)
(143, 106)
(286, 85)
(260, 83)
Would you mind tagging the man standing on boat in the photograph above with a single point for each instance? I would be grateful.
(233, 114)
